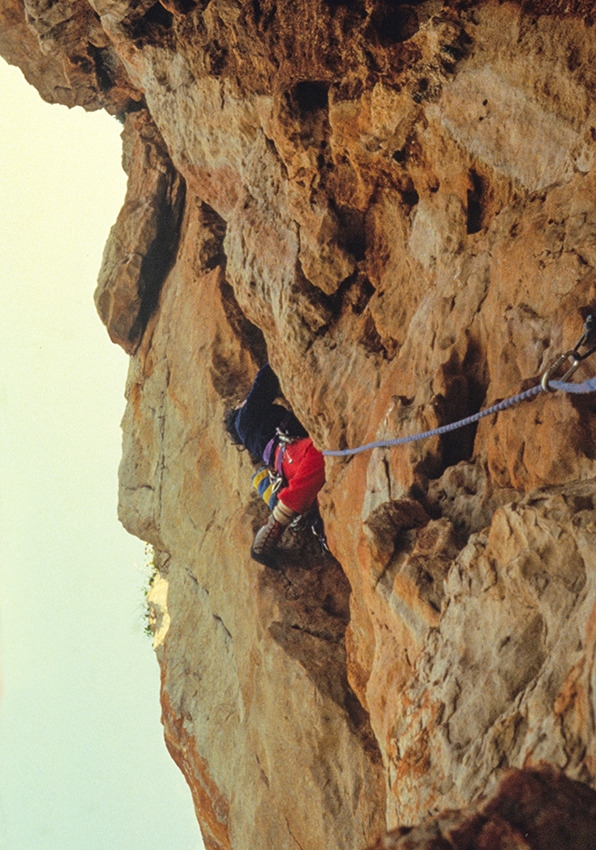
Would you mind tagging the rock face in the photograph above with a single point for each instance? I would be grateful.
(396, 205)
(533, 809)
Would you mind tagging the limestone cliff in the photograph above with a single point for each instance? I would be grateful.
(394, 203)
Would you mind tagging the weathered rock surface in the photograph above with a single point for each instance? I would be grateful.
(141, 247)
(395, 204)
(532, 809)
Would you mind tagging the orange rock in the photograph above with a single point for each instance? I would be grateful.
(531, 809)
(394, 204)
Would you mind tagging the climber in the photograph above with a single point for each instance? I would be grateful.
(273, 434)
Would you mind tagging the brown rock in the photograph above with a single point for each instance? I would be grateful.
(394, 204)
(267, 695)
(531, 809)
(142, 244)
(63, 50)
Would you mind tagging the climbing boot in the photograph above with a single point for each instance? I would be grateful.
(264, 548)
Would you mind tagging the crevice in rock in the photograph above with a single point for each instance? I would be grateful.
(476, 203)
(143, 245)
(410, 198)
(352, 230)
(354, 293)
(211, 252)
(226, 632)
(160, 256)
(215, 56)
(371, 338)
(131, 106)
(104, 63)
(312, 598)
(249, 335)
(310, 96)
(257, 11)
(391, 23)
(154, 27)
(365, 293)
(457, 446)
(465, 385)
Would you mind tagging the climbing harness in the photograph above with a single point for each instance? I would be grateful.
(282, 441)
(269, 480)
(587, 340)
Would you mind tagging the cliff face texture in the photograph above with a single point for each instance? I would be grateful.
(394, 203)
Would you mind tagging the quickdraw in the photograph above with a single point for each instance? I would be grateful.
(587, 340)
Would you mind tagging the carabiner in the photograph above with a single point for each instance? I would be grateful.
(554, 367)
(573, 354)
(588, 336)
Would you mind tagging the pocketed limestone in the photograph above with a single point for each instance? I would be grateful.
(393, 204)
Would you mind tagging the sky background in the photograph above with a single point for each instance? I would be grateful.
(83, 765)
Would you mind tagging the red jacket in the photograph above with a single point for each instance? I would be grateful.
(303, 468)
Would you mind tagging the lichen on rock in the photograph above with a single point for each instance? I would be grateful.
(394, 204)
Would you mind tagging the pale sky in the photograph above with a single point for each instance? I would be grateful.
(83, 765)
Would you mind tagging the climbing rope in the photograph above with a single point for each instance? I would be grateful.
(546, 385)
